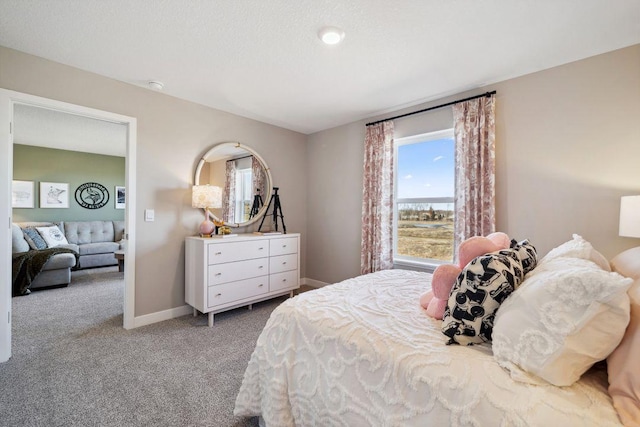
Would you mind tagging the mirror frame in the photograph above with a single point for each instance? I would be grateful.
(266, 194)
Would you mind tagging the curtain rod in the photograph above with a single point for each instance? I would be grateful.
(487, 94)
(238, 158)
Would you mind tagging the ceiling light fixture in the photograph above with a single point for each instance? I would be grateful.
(331, 35)
(155, 85)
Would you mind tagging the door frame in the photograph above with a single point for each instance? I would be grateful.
(8, 99)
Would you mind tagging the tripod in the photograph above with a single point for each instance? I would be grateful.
(275, 199)
(257, 204)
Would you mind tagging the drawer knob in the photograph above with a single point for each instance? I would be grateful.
(218, 253)
(260, 248)
(218, 274)
(284, 246)
(284, 280)
(284, 262)
(261, 285)
(218, 295)
(260, 267)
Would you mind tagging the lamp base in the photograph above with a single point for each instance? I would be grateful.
(206, 228)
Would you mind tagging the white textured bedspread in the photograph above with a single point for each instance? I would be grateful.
(364, 353)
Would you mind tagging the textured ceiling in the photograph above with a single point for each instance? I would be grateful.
(262, 58)
(54, 129)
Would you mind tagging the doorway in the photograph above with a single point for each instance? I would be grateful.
(8, 102)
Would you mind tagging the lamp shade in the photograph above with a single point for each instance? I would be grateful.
(630, 216)
(206, 196)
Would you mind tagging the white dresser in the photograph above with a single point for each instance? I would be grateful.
(226, 273)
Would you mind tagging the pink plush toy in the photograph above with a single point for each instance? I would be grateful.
(445, 275)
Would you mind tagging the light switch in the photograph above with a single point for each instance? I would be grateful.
(149, 215)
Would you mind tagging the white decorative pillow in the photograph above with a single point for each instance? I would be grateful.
(52, 235)
(577, 248)
(567, 315)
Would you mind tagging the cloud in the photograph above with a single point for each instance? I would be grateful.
(408, 176)
(435, 159)
(427, 185)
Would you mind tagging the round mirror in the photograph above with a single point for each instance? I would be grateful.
(245, 180)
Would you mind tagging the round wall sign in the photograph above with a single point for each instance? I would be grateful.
(92, 195)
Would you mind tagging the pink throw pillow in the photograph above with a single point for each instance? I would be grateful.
(622, 365)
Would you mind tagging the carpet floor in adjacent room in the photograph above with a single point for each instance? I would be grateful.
(73, 364)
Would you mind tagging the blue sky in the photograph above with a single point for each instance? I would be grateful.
(426, 169)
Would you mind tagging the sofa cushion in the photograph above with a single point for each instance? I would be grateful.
(71, 246)
(118, 229)
(18, 243)
(60, 261)
(83, 232)
(34, 239)
(98, 248)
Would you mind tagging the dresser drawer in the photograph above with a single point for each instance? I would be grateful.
(278, 264)
(235, 291)
(286, 280)
(236, 251)
(283, 246)
(239, 270)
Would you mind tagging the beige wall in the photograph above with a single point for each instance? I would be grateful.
(567, 149)
(172, 135)
(568, 145)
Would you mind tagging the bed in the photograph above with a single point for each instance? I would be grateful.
(362, 352)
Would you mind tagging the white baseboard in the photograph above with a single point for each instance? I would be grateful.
(313, 283)
(159, 316)
(172, 313)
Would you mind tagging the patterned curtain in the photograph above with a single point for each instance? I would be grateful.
(257, 177)
(474, 128)
(377, 199)
(229, 194)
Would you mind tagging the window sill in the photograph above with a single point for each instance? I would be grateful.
(405, 264)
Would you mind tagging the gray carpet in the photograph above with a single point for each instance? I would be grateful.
(74, 365)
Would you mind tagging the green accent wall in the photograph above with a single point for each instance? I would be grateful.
(40, 164)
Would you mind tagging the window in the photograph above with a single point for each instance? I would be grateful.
(424, 198)
(244, 198)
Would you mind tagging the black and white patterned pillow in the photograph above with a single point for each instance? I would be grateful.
(480, 289)
(527, 254)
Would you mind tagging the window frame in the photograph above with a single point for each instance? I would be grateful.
(241, 189)
(428, 264)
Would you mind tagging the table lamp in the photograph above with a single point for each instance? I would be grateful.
(205, 197)
(630, 216)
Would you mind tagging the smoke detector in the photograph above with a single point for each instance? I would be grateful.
(155, 85)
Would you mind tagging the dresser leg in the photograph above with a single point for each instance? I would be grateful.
(250, 306)
(291, 294)
(211, 320)
(195, 312)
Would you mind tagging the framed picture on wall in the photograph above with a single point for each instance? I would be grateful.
(54, 195)
(22, 194)
(119, 199)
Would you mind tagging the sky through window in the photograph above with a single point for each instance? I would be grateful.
(426, 169)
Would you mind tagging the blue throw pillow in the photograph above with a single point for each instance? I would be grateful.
(34, 238)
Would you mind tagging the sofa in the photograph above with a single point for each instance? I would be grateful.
(95, 242)
(57, 270)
